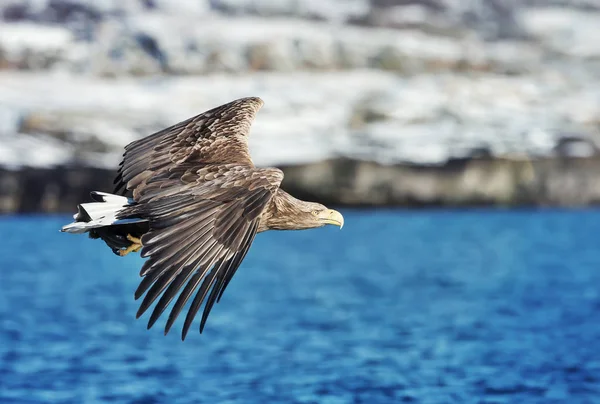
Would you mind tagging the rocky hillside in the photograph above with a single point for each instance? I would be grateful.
(367, 102)
(459, 183)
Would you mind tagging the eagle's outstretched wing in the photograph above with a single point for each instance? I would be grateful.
(196, 185)
(217, 136)
(199, 219)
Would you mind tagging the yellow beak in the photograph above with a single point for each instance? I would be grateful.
(331, 216)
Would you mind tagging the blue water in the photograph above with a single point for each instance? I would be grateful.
(425, 307)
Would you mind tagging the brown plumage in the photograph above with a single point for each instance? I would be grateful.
(197, 202)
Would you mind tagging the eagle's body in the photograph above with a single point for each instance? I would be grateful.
(191, 199)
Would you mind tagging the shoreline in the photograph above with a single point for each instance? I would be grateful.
(459, 183)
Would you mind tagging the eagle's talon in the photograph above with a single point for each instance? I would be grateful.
(136, 245)
(134, 240)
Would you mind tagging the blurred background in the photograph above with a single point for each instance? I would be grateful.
(374, 107)
(367, 102)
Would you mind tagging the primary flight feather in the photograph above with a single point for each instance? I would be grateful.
(190, 198)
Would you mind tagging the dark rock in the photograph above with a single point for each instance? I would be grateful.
(15, 12)
(492, 19)
(151, 47)
(575, 146)
(51, 190)
(461, 182)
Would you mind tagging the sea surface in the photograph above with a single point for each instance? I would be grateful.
(400, 306)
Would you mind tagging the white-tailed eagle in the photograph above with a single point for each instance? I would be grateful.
(190, 198)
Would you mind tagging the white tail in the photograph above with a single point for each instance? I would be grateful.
(103, 212)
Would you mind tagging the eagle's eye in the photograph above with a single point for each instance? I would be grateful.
(314, 212)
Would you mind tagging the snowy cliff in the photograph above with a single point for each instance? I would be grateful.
(396, 83)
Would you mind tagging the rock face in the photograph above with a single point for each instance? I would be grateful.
(471, 182)
(463, 182)
(50, 190)
(406, 101)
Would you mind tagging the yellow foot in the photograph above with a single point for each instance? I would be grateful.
(134, 240)
(136, 245)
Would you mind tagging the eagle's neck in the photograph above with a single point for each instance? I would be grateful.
(281, 213)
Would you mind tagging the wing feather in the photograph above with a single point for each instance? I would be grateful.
(217, 136)
(199, 236)
(236, 260)
(198, 188)
(174, 284)
(183, 298)
(198, 299)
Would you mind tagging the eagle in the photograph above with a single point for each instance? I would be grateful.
(191, 200)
